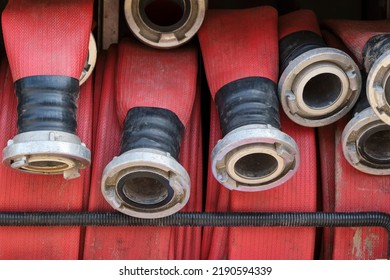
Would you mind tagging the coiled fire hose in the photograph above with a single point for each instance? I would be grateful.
(31, 192)
(233, 243)
(254, 154)
(125, 243)
(47, 47)
(318, 84)
(155, 92)
(165, 23)
(369, 41)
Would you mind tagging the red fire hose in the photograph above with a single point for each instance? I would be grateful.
(26, 192)
(144, 243)
(47, 45)
(242, 80)
(369, 41)
(251, 52)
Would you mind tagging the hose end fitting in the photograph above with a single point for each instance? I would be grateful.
(90, 63)
(182, 21)
(47, 152)
(255, 158)
(366, 143)
(378, 87)
(146, 183)
(319, 87)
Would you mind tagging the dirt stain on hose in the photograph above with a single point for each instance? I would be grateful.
(364, 243)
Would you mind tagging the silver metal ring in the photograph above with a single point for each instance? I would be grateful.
(90, 63)
(47, 152)
(254, 158)
(378, 87)
(140, 200)
(372, 158)
(300, 87)
(155, 35)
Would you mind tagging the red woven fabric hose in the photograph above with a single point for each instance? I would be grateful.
(357, 191)
(355, 34)
(302, 20)
(255, 53)
(136, 88)
(38, 44)
(145, 243)
(24, 192)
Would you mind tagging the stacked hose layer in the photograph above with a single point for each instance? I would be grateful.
(254, 154)
(165, 24)
(318, 84)
(144, 243)
(47, 46)
(250, 50)
(349, 189)
(27, 192)
(369, 41)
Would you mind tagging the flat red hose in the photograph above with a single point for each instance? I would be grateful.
(47, 37)
(229, 57)
(154, 78)
(301, 20)
(357, 191)
(355, 34)
(148, 242)
(24, 192)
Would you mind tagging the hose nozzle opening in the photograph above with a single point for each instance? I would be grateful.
(165, 23)
(146, 183)
(254, 158)
(319, 87)
(366, 143)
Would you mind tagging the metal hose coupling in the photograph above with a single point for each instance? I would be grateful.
(165, 23)
(318, 84)
(46, 142)
(146, 180)
(254, 155)
(376, 61)
(90, 62)
(366, 140)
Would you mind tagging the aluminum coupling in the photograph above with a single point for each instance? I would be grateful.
(366, 143)
(378, 86)
(165, 23)
(47, 152)
(146, 183)
(254, 158)
(319, 87)
(90, 63)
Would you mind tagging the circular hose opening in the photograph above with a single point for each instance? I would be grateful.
(322, 91)
(145, 189)
(256, 166)
(375, 145)
(164, 15)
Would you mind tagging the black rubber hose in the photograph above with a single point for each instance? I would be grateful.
(288, 219)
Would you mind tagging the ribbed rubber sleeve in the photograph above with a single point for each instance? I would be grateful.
(152, 128)
(355, 34)
(238, 44)
(357, 191)
(47, 103)
(301, 20)
(156, 78)
(148, 242)
(25, 192)
(47, 37)
(298, 194)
